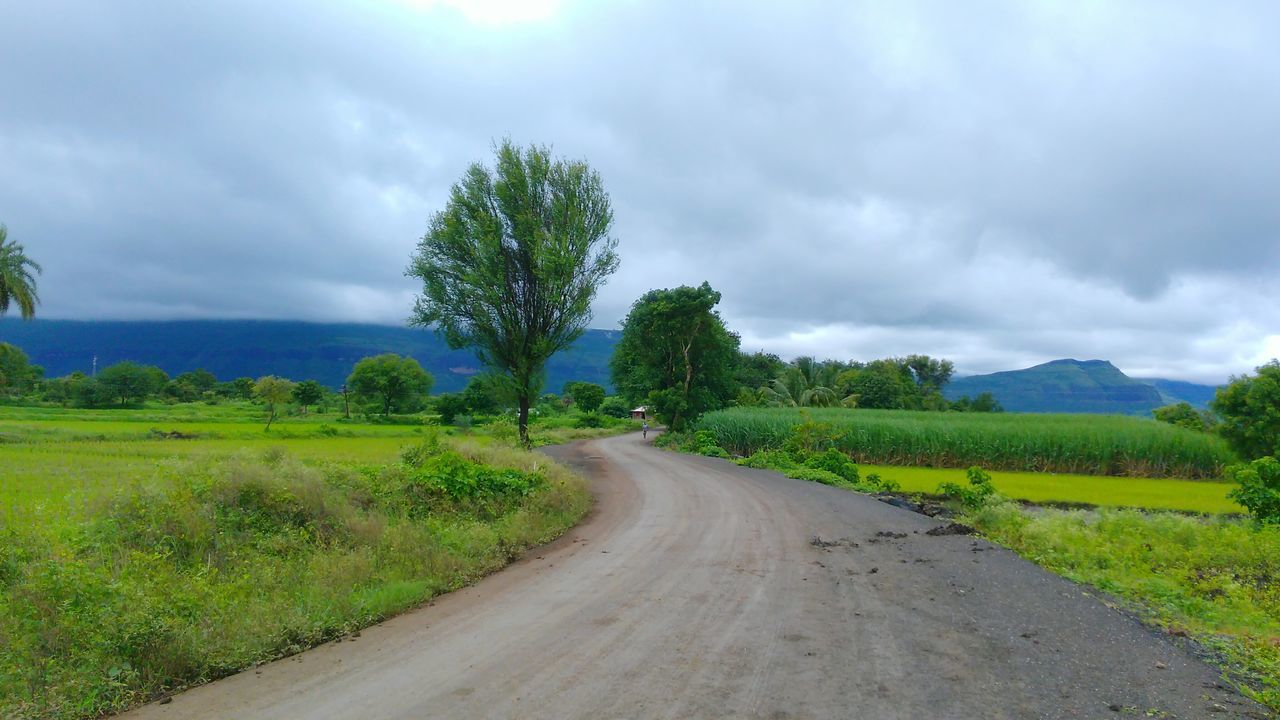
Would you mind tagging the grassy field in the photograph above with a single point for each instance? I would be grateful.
(1076, 444)
(1200, 496)
(145, 550)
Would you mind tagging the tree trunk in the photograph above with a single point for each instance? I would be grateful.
(524, 422)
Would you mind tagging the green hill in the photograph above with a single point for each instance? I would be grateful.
(1074, 386)
(1176, 391)
(253, 348)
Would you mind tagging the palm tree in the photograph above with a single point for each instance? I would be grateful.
(17, 284)
(805, 382)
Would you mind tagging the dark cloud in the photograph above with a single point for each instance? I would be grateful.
(1001, 183)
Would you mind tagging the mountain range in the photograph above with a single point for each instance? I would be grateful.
(1079, 386)
(229, 349)
(327, 351)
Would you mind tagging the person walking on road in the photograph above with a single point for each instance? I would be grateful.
(644, 429)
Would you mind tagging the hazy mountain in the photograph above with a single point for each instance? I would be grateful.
(253, 348)
(1083, 386)
(1175, 391)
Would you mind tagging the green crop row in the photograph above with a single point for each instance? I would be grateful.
(1082, 444)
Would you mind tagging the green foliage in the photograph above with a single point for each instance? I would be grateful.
(834, 462)
(1259, 489)
(1182, 415)
(984, 402)
(1090, 444)
(128, 382)
(1249, 408)
(977, 493)
(587, 396)
(17, 374)
(615, 407)
(675, 354)
(449, 406)
(273, 392)
(17, 281)
(510, 266)
(308, 393)
(1214, 579)
(217, 565)
(390, 383)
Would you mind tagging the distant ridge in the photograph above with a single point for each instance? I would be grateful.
(1070, 386)
(253, 348)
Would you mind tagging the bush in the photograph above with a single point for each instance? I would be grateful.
(615, 407)
(1259, 489)
(770, 460)
(979, 492)
(834, 462)
(589, 420)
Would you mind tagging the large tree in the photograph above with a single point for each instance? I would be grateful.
(512, 263)
(1249, 407)
(17, 283)
(129, 382)
(676, 354)
(390, 383)
(17, 374)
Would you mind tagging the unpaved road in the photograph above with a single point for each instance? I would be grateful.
(695, 590)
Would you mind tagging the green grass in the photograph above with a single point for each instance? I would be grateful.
(1215, 580)
(1151, 493)
(1077, 444)
(131, 566)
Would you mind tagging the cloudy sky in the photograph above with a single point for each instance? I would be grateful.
(997, 183)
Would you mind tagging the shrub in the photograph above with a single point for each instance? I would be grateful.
(769, 460)
(979, 492)
(615, 407)
(1259, 489)
(815, 475)
(589, 420)
(834, 462)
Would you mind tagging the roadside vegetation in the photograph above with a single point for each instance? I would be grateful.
(1079, 444)
(149, 548)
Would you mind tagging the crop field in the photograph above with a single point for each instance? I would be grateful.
(1199, 496)
(1073, 444)
(145, 550)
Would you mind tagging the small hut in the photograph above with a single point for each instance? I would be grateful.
(640, 413)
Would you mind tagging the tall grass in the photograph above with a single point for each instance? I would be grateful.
(1082, 444)
(214, 565)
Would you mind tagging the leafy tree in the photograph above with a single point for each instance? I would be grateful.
(128, 382)
(879, 384)
(17, 374)
(17, 283)
(307, 393)
(1249, 409)
(1182, 415)
(241, 388)
(676, 355)
(390, 382)
(587, 396)
(929, 374)
(202, 380)
(510, 266)
(615, 407)
(1259, 489)
(179, 390)
(450, 406)
(273, 391)
(755, 370)
(57, 390)
(487, 393)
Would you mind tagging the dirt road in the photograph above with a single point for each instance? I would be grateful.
(700, 589)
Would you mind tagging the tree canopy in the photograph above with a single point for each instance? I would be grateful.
(128, 382)
(273, 391)
(676, 355)
(1249, 408)
(17, 277)
(390, 383)
(512, 263)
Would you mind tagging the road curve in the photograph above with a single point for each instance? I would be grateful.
(700, 589)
